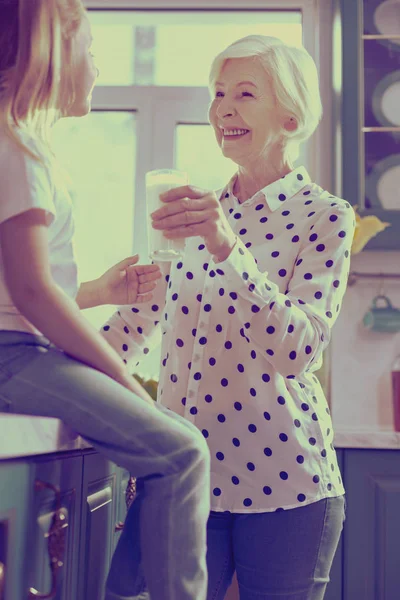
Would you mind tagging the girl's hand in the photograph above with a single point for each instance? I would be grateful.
(190, 211)
(125, 283)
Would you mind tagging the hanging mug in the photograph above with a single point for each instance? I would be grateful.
(384, 318)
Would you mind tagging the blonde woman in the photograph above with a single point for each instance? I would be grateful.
(52, 361)
(246, 315)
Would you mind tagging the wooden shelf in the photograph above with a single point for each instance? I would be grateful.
(380, 129)
(370, 36)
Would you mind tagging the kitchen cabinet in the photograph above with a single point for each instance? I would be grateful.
(88, 496)
(64, 510)
(99, 520)
(371, 540)
(14, 518)
(54, 507)
(370, 64)
(334, 588)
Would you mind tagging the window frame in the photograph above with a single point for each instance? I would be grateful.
(318, 22)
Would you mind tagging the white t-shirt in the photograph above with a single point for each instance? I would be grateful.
(24, 184)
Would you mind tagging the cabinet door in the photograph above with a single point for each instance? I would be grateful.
(372, 531)
(99, 518)
(334, 588)
(371, 142)
(55, 492)
(14, 491)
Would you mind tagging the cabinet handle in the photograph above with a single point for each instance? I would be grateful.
(56, 539)
(2, 580)
(130, 494)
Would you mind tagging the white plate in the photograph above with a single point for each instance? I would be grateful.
(384, 20)
(382, 186)
(386, 100)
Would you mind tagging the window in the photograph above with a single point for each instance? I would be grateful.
(168, 48)
(150, 111)
(99, 153)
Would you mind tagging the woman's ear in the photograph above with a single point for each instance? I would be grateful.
(290, 124)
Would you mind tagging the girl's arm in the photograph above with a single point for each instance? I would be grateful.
(24, 246)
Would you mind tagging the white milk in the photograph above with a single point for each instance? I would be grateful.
(158, 182)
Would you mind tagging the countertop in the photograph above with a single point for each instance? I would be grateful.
(27, 436)
(367, 439)
(22, 436)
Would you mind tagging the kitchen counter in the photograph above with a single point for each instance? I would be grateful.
(367, 439)
(27, 436)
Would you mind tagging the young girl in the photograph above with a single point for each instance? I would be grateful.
(52, 361)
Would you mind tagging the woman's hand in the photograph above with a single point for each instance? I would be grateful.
(125, 283)
(190, 211)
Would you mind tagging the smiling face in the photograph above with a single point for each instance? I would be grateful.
(243, 113)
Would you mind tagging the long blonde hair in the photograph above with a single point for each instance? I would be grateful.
(36, 56)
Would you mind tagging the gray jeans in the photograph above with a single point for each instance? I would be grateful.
(165, 530)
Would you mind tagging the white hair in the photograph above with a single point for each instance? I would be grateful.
(294, 79)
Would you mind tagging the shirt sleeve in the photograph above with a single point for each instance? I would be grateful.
(292, 329)
(134, 330)
(25, 183)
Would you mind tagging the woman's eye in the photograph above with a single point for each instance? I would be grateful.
(219, 94)
(247, 94)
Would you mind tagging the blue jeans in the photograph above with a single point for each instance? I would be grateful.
(284, 555)
(165, 529)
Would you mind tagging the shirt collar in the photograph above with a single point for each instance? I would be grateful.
(277, 192)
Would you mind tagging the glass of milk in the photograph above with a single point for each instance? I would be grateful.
(157, 182)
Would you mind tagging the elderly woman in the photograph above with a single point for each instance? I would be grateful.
(245, 318)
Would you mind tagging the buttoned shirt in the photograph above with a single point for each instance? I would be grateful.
(241, 341)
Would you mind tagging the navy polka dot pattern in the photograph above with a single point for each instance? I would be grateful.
(242, 338)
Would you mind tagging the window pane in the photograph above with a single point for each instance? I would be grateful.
(183, 58)
(198, 154)
(176, 48)
(113, 48)
(99, 154)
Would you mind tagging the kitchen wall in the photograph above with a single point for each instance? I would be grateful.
(361, 396)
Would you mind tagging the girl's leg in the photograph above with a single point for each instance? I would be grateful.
(287, 555)
(219, 554)
(171, 457)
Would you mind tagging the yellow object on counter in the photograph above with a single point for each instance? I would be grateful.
(366, 228)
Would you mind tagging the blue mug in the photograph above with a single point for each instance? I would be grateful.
(384, 318)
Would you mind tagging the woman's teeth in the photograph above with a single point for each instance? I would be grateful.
(235, 132)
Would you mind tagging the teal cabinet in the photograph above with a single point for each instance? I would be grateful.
(98, 524)
(54, 507)
(334, 588)
(14, 519)
(65, 510)
(371, 541)
(370, 63)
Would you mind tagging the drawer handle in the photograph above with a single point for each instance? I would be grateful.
(130, 494)
(2, 580)
(56, 540)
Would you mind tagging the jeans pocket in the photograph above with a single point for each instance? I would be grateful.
(13, 358)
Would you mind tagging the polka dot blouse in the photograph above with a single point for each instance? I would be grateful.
(241, 340)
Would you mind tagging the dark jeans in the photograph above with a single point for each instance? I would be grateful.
(283, 555)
